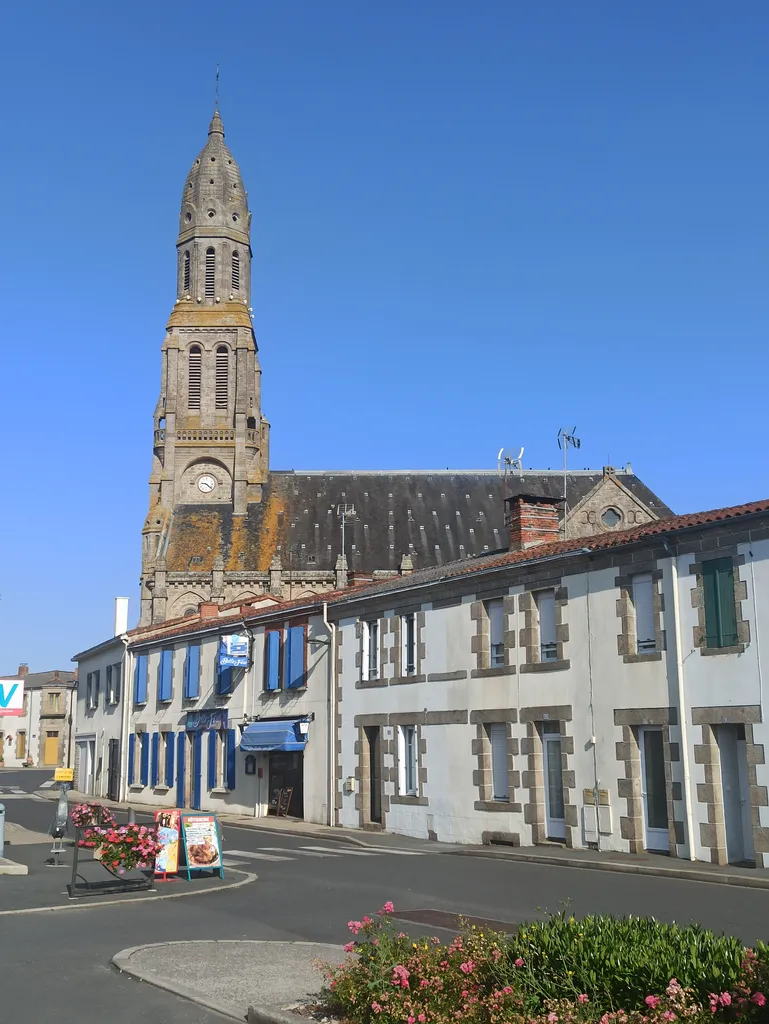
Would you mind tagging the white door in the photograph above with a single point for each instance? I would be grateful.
(736, 793)
(554, 811)
(654, 790)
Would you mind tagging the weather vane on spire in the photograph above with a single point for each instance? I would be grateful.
(216, 92)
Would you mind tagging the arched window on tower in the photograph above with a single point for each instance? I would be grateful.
(222, 373)
(193, 378)
(235, 271)
(210, 272)
(186, 271)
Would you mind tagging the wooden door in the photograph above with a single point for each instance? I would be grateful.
(51, 749)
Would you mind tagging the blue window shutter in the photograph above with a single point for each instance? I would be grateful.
(272, 661)
(230, 759)
(192, 671)
(295, 657)
(223, 678)
(131, 742)
(165, 674)
(181, 740)
(145, 762)
(155, 776)
(212, 759)
(140, 680)
(169, 759)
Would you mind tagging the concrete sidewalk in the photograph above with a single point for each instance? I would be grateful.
(270, 824)
(242, 979)
(657, 865)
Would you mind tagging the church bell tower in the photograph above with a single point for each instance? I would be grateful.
(211, 442)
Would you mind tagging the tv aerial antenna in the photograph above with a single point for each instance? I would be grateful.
(509, 464)
(567, 439)
(346, 512)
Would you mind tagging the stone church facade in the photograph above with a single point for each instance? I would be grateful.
(223, 527)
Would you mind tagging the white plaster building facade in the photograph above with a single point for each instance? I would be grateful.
(41, 735)
(607, 696)
(228, 740)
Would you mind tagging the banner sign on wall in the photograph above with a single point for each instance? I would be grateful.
(205, 719)
(233, 651)
(12, 697)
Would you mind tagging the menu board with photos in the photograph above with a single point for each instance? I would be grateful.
(202, 843)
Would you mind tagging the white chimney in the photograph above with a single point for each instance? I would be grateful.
(121, 615)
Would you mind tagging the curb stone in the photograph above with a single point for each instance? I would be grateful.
(122, 959)
(268, 1015)
(261, 1014)
(685, 874)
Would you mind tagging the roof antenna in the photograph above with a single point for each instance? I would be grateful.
(564, 440)
(216, 91)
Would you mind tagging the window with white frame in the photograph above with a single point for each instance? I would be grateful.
(409, 644)
(548, 648)
(407, 760)
(370, 658)
(113, 683)
(642, 592)
(496, 617)
(497, 736)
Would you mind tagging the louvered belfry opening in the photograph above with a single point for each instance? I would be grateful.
(222, 373)
(186, 271)
(193, 383)
(210, 272)
(235, 271)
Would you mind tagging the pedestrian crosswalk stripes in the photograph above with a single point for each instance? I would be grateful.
(232, 858)
(253, 855)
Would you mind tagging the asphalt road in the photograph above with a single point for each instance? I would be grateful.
(307, 889)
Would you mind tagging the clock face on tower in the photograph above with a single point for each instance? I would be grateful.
(206, 483)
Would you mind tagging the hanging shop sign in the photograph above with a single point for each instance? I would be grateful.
(167, 861)
(233, 651)
(206, 718)
(11, 697)
(202, 843)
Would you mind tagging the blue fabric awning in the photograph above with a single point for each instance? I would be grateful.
(282, 735)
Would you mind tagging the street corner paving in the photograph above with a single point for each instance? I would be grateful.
(482, 743)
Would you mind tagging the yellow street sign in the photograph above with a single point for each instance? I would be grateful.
(64, 775)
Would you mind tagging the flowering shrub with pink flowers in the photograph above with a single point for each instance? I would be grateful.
(86, 814)
(124, 847)
(597, 970)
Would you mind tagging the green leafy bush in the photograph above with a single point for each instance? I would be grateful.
(619, 961)
(597, 970)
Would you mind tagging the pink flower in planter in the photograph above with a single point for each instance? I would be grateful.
(725, 999)
(552, 1018)
(467, 967)
(376, 1007)
(518, 962)
(354, 926)
(652, 1002)
(349, 947)
(507, 990)
(583, 997)
(424, 983)
(758, 998)
(387, 908)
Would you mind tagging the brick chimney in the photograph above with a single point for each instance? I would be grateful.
(208, 610)
(23, 669)
(532, 519)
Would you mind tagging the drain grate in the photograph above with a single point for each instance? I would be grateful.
(451, 922)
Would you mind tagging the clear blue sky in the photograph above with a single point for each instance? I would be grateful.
(472, 223)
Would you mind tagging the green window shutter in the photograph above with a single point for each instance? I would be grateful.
(726, 603)
(720, 608)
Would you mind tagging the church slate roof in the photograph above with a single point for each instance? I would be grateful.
(436, 516)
